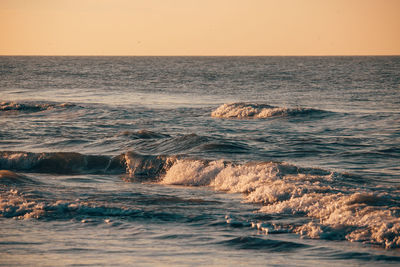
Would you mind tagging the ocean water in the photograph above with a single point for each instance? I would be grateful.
(199, 161)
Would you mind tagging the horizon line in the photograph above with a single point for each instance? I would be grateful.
(117, 55)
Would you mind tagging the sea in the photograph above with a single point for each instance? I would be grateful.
(199, 161)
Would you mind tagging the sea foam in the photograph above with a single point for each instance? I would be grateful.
(242, 110)
(336, 206)
(13, 204)
(336, 209)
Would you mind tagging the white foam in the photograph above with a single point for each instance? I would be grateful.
(354, 217)
(242, 110)
(14, 205)
(192, 172)
(341, 212)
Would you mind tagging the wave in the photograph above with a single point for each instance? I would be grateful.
(60, 162)
(31, 107)
(192, 144)
(179, 144)
(243, 110)
(135, 165)
(336, 209)
(147, 166)
(335, 205)
(14, 205)
(143, 134)
(8, 177)
(21, 206)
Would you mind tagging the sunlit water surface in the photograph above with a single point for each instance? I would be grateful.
(121, 161)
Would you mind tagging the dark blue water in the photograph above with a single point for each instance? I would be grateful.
(199, 160)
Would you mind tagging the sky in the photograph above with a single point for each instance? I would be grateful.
(199, 27)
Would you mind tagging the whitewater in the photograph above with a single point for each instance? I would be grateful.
(212, 161)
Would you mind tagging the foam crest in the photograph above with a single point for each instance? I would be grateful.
(338, 210)
(266, 182)
(193, 172)
(361, 216)
(242, 110)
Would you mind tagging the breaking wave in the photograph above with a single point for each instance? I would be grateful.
(334, 205)
(147, 166)
(337, 209)
(259, 111)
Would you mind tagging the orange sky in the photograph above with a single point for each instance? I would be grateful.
(199, 27)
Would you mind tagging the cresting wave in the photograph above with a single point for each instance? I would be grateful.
(31, 107)
(337, 209)
(335, 206)
(242, 110)
(60, 162)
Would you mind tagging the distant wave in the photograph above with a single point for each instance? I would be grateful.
(242, 110)
(31, 106)
(338, 207)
